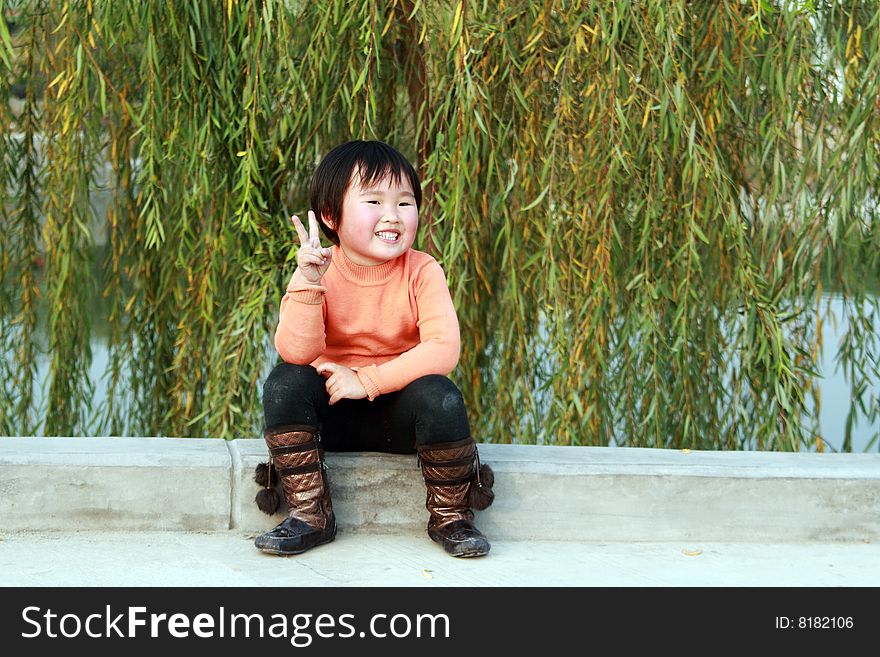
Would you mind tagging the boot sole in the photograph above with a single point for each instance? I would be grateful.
(467, 554)
(289, 553)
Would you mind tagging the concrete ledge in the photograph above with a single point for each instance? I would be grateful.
(114, 483)
(561, 493)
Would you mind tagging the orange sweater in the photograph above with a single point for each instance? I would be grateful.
(391, 323)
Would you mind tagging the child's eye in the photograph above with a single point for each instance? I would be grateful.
(376, 202)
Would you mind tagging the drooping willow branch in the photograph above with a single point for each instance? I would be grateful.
(641, 207)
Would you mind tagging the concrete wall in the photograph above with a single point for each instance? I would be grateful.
(562, 493)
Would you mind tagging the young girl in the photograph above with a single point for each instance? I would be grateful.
(368, 333)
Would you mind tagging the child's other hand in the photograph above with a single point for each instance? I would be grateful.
(311, 259)
(343, 383)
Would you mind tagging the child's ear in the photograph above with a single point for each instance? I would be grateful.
(328, 221)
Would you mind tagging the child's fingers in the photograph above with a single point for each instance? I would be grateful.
(314, 235)
(333, 388)
(311, 259)
(300, 230)
(326, 368)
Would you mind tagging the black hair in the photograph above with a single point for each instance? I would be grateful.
(375, 161)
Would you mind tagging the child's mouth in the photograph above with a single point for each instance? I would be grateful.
(387, 236)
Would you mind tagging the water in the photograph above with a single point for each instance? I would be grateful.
(835, 388)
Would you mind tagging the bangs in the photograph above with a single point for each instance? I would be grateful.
(377, 161)
(371, 173)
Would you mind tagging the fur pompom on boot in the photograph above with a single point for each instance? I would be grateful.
(264, 475)
(481, 495)
(268, 498)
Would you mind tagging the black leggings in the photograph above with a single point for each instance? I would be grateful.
(428, 410)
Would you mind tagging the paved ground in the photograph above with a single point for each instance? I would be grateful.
(229, 559)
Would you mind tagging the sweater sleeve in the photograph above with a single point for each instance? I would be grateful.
(300, 337)
(439, 339)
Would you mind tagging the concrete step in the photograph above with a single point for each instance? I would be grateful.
(563, 493)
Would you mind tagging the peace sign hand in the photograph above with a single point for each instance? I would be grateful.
(312, 260)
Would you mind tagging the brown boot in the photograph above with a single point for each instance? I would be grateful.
(450, 472)
(296, 457)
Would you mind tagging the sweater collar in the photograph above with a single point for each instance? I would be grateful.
(366, 275)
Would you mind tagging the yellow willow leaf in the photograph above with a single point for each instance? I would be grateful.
(558, 65)
(691, 553)
(455, 21)
(388, 23)
(533, 41)
(580, 42)
(56, 79)
(645, 117)
(5, 43)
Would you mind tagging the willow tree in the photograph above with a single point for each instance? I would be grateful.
(639, 205)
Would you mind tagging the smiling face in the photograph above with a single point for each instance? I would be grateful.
(379, 221)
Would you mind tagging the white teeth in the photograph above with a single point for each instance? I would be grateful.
(391, 237)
